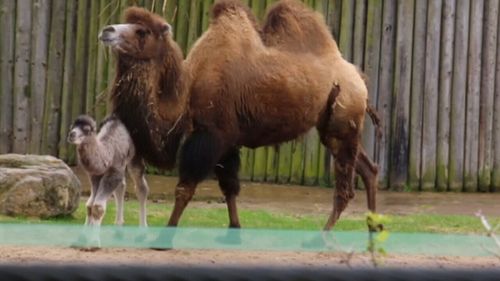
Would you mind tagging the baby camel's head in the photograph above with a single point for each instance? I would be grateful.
(83, 127)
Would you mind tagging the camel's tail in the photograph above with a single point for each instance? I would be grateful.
(323, 123)
(375, 120)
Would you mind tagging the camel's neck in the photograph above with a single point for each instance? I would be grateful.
(149, 99)
(93, 156)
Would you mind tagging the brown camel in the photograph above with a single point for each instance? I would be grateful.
(235, 89)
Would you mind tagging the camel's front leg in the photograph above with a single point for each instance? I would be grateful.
(94, 182)
(136, 170)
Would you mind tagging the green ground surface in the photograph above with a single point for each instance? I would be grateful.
(216, 216)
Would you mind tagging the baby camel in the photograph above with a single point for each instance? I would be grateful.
(105, 156)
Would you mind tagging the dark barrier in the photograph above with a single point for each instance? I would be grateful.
(121, 272)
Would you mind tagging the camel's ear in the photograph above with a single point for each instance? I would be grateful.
(166, 28)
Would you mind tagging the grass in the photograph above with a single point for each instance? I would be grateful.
(217, 217)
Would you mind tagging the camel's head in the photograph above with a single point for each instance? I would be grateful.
(81, 128)
(143, 35)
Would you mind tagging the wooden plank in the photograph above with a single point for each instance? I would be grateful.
(384, 101)
(371, 68)
(21, 76)
(489, 54)
(311, 157)
(333, 17)
(431, 93)
(194, 30)
(347, 29)
(285, 162)
(182, 23)
(38, 70)
(260, 164)
(495, 175)
(473, 94)
(81, 60)
(65, 152)
(272, 162)
(102, 65)
(7, 29)
(445, 78)
(93, 23)
(247, 157)
(52, 109)
(359, 33)
(417, 95)
(459, 87)
(205, 19)
(401, 95)
(297, 165)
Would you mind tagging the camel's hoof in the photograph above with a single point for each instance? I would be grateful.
(89, 249)
(160, 249)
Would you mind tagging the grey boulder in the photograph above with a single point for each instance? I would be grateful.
(37, 186)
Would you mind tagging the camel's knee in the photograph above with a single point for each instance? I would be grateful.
(97, 211)
(184, 193)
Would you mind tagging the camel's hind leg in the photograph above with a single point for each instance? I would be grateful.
(345, 152)
(227, 174)
(369, 174)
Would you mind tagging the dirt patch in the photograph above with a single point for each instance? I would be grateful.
(34, 255)
(285, 199)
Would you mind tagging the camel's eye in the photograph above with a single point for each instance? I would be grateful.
(142, 32)
(87, 129)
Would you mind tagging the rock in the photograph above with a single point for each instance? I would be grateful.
(34, 185)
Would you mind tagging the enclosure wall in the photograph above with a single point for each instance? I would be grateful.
(432, 68)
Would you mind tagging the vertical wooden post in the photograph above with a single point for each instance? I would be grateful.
(473, 94)
(489, 54)
(7, 29)
(182, 24)
(385, 84)
(371, 63)
(21, 76)
(417, 95)
(92, 45)
(81, 63)
(495, 175)
(359, 30)
(445, 78)
(193, 28)
(431, 92)
(347, 29)
(68, 78)
(401, 95)
(38, 70)
(102, 65)
(459, 88)
(52, 110)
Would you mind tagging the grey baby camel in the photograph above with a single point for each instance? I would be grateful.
(106, 156)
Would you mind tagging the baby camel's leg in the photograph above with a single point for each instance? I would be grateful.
(345, 152)
(136, 170)
(94, 182)
(110, 181)
(119, 195)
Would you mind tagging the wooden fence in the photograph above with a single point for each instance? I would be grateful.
(432, 67)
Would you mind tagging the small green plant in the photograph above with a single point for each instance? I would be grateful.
(377, 236)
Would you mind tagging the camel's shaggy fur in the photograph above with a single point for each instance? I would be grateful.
(105, 156)
(239, 86)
